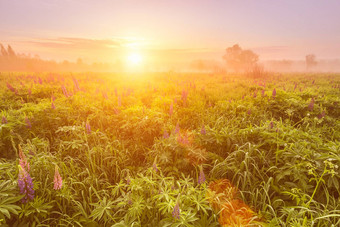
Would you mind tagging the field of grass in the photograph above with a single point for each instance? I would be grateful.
(169, 149)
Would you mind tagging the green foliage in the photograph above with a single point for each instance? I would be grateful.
(139, 159)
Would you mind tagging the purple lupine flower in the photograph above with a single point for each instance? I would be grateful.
(116, 110)
(128, 180)
(104, 93)
(176, 212)
(23, 160)
(119, 101)
(12, 88)
(323, 114)
(263, 93)
(255, 94)
(64, 90)
(76, 85)
(184, 96)
(183, 139)
(203, 131)
(311, 105)
(154, 166)
(25, 185)
(28, 122)
(177, 128)
(57, 181)
(4, 120)
(88, 128)
(274, 93)
(171, 109)
(249, 112)
(271, 125)
(165, 135)
(52, 105)
(201, 177)
(40, 80)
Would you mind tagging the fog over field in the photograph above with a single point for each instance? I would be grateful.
(173, 113)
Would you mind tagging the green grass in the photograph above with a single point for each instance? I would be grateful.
(283, 156)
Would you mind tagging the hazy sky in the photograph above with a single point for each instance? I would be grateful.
(176, 29)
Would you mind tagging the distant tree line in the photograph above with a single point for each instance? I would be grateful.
(11, 61)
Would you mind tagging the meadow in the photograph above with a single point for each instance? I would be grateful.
(169, 149)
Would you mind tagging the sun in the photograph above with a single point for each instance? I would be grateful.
(134, 59)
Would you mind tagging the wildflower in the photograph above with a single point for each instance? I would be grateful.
(119, 101)
(203, 131)
(64, 91)
(128, 180)
(171, 109)
(311, 105)
(28, 122)
(4, 120)
(165, 135)
(9, 86)
(184, 96)
(274, 93)
(52, 105)
(176, 211)
(25, 185)
(271, 125)
(249, 112)
(201, 177)
(76, 85)
(104, 93)
(23, 160)
(177, 128)
(323, 114)
(263, 93)
(40, 80)
(88, 128)
(295, 87)
(116, 110)
(255, 94)
(58, 181)
(154, 165)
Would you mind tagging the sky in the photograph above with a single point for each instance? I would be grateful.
(176, 30)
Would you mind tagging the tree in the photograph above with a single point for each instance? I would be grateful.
(240, 60)
(310, 61)
(10, 51)
(3, 51)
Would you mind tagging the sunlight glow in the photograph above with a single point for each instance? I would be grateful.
(134, 59)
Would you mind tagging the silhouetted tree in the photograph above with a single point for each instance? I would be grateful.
(3, 51)
(10, 51)
(310, 61)
(239, 59)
